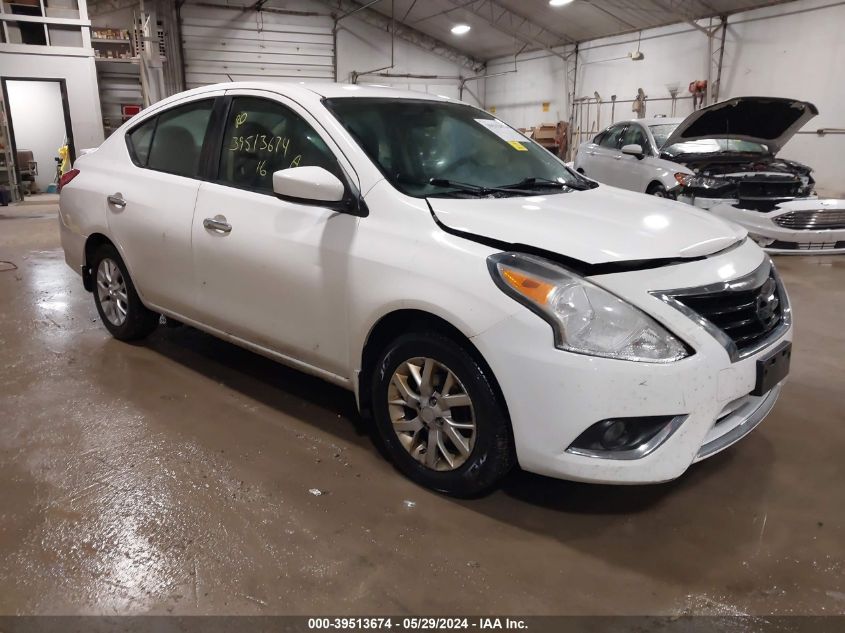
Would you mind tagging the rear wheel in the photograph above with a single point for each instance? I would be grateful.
(118, 304)
(438, 416)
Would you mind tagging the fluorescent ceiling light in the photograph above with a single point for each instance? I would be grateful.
(460, 29)
(559, 3)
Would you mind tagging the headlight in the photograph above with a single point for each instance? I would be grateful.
(701, 182)
(585, 319)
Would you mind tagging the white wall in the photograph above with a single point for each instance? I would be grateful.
(792, 50)
(362, 47)
(81, 81)
(39, 122)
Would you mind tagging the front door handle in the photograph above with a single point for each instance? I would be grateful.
(117, 200)
(217, 223)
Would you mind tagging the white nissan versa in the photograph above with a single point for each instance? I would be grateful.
(487, 305)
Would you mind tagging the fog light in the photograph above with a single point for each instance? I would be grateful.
(625, 438)
(614, 435)
(762, 241)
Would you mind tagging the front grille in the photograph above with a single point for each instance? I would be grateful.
(746, 313)
(820, 219)
(806, 246)
(757, 189)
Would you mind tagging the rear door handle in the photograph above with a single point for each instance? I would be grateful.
(117, 200)
(218, 224)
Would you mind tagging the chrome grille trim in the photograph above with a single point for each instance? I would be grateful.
(748, 282)
(751, 413)
(812, 220)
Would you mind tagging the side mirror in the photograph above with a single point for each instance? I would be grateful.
(634, 149)
(319, 187)
(308, 185)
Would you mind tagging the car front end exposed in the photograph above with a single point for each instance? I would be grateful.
(730, 150)
(694, 365)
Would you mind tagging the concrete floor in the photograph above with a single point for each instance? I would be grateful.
(174, 477)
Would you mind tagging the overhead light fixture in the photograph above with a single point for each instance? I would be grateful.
(559, 3)
(460, 29)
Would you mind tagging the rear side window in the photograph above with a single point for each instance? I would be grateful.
(139, 141)
(262, 137)
(612, 136)
(178, 139)
(172, 141)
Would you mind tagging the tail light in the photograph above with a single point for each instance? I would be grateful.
(67, 177)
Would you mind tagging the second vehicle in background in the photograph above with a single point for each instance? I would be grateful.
(723, 158)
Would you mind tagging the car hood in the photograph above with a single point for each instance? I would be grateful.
(771, 121)
(596, 226)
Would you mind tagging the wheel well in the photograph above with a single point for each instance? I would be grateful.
(580, 170)
(652, 185)
(402, 322)
(94, 241)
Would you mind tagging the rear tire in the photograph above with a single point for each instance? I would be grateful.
(117, 301)
(429, 389)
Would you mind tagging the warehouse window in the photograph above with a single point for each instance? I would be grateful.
(262, 137)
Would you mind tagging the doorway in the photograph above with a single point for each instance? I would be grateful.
(39, 124)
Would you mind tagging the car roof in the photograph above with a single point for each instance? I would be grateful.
(327, 90)
(662, 120)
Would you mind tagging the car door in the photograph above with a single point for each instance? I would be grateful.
(151, 202)
(275, 273)
(604, 154)
(632, 172)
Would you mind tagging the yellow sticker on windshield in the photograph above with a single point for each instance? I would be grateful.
(518, 146)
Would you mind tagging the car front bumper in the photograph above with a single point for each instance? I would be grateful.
(553, 396)
(777, 239)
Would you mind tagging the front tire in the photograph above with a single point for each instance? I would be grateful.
(117, 301)
(439, 417)
(657, 189)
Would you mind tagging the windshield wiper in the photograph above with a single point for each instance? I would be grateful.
(469, 188)
(536, 183)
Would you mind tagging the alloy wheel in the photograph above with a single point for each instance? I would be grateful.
(111, 292)
(432, 413)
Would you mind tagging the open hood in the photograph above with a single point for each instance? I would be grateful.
(771, 121)
(598, 226)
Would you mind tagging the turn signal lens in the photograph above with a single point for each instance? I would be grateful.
(66, 178)
(529, 287)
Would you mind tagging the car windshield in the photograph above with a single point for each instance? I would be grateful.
(702, 146)
(429, 148)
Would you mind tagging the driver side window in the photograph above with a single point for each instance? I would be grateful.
(262, 137)
(610, 140)
(636, 135)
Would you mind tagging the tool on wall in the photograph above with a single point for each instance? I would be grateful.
(698, 89)
(673, 92)
(598, 110)
(638, 105)
(612, 108)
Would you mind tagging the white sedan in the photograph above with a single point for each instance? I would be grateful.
(723, 158)
(486, 305)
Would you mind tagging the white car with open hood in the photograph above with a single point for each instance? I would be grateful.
(487, 305)
(723, 158)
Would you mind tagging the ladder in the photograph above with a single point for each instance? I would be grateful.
(8, 174)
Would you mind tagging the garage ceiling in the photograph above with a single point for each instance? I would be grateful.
(504, 27)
